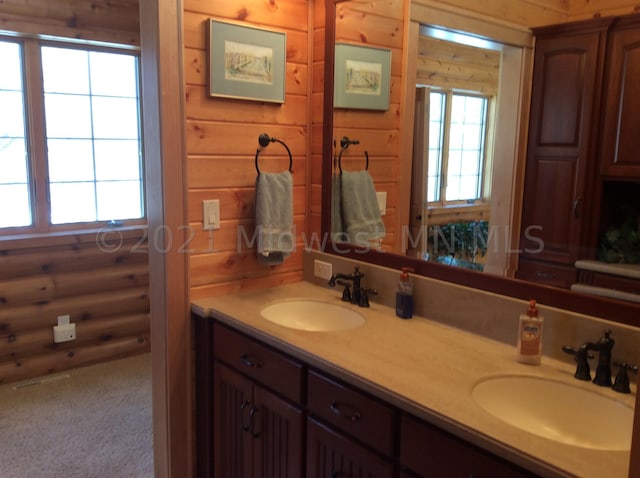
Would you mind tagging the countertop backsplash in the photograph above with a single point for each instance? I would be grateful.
(491, 315)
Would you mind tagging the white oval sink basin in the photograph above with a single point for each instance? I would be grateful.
(312, 315)
(557, 411)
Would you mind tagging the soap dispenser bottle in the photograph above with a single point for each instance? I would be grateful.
(404, 295)
(530, 336)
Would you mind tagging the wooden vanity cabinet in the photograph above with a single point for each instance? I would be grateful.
(261, 413)
(621, 125)
(258, 432)
(431, 452)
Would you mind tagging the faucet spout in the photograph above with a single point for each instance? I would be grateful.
(335, 277)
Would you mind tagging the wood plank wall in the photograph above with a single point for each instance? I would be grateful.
(222, 138)
(98, 20)
(584, 9)
(105, 291)
(451, 65)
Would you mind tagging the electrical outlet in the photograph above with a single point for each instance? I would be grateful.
(64, 333)
(211, 214)
(322, 269)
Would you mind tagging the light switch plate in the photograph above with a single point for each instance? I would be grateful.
(211, 214)
(382, 202)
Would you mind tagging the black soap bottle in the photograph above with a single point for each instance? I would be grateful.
(404, 295)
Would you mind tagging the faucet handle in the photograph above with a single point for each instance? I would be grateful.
(364, 296)
(621, 383)
(583, 371)
(346, 292)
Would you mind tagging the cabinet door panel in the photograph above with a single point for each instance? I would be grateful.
(621, 140)
(562, 103)
(330, 455)
(232, 441)
(560, 157)
(276, 426)
(555, 182)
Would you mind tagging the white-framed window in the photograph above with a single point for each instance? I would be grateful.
(70, 136)
(457, 125)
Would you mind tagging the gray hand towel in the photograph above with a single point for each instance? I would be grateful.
(274, 217)
(360, 209)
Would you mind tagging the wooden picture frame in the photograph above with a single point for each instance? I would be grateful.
(246, 63)
(362, 77)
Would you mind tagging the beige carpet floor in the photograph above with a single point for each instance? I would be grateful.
(91, 422)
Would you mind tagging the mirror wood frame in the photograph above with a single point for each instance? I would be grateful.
(609, 309)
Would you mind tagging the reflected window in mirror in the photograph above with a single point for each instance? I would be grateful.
(457, 125)
(456, 94)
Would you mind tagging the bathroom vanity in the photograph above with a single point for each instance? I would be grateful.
(388, 398)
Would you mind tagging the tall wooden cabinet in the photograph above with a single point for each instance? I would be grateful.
(583, 127)
(621, 120)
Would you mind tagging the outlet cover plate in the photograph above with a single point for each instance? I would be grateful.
(322, 269)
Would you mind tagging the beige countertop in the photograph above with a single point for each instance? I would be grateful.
(425, 368)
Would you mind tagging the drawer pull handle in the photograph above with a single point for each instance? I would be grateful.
(250, 361)
(353, 416)
(576, 208)
(545, 275)
(252, 412)
(244, 405)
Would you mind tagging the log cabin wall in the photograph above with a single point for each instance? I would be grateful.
(103, 286)
(222, 138)
(100, 282)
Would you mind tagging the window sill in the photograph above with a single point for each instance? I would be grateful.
(62, 238)
(457, 212)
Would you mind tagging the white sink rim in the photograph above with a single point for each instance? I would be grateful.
(572, 420)
(312, 315)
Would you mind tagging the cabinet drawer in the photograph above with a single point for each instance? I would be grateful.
(260, 362)
(546, 273)
(432, 452)
(352, 411)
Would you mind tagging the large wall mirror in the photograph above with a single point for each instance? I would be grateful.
(478, 183)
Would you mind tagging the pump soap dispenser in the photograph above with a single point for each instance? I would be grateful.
(530, 336)
(404, 295)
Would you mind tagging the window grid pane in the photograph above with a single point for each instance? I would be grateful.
(466, 147)
(93, 136)
(436, 133)
(14, 172)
